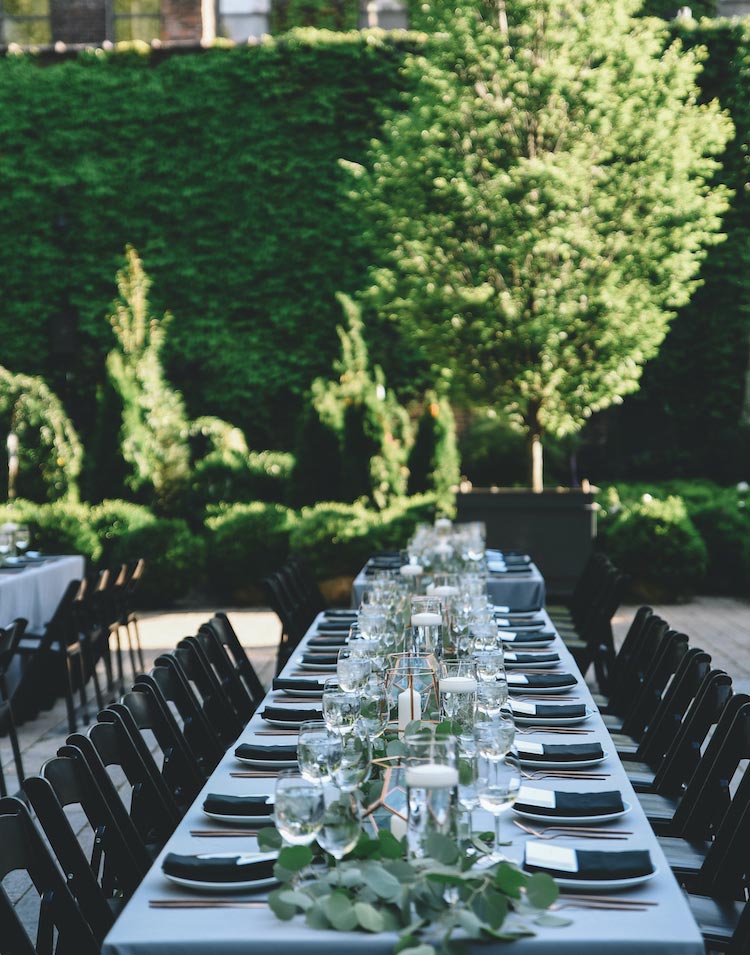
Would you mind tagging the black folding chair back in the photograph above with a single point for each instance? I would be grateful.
(223, 668)
(224, 632)
(619, 686)
(672, 649)
(22, 848)
(9, 640)
(217, 705)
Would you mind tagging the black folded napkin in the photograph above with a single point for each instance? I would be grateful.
(578, 804)
(594, 864)
(541, 681)
(288, 714)
(520, 659)
(324, 651)
(335, 626)
(320, 659)
(226, 805)
(550, 711)
(266, 752)
(509, 570)
(339, 634)
(516, 561)
(526, 636)
(564, 752)
(219, 868)
(298, 684)
(327, 641)
(525, 623)
(337, 612)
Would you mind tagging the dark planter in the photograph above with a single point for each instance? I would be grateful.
(556, 527)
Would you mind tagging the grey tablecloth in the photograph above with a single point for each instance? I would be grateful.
(517, 591)
(666, 929)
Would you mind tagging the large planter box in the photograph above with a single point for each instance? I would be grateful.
(556, 527)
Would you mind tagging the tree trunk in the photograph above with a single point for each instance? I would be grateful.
(537, 471)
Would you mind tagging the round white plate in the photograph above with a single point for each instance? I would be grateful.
(521, 645)
(541, 765)
(542, 816)
(306, 694)
(317, 667)
(268, 763)
(604, 885)
(525, 689)
(286, 724)
(546, 665)
(524, 720)
(222, 886)
(239, 820)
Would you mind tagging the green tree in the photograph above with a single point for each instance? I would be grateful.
(154, 433)
(434, 463)
(542, 202)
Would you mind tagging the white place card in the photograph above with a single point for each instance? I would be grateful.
(560, 858)
(535, 749)
(509, 636)
(528, 709)
(519, 679)
(502, 621)
(541, 798)
(501, 609)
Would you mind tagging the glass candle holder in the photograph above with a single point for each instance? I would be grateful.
(431, 777)
(427, 625)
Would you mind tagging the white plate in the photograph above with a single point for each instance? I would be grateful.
(239, 820)
(268, 763)
(546, 665)
(542, 816)
(523, 720)
(286, 724)
(317, 667)
(521, 645)
(539, 690)
(222, 886)
(541, 765)
(306, 694)
(604, 885)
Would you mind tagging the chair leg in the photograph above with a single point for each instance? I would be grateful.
(115, 632)
(107, 657)
(82, 695)
(15, 747)
(131, 651)
(132, 619)
(3, 787)
(68, 689)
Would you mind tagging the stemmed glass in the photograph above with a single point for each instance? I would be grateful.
(352, 669)
(319, 751)
(22, 537)
(299, 808)
(498, 788)
(468, 797)
(492, 698)
(356, 759)
(458, 691)
(374, 707)
(340, 708)
(342, 822)
(6, 542)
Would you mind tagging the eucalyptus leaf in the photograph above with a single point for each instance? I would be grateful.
(295, 858)
(490, 906)
(281, 909)
(441, 848)
(370, 919)
(390, 846)
(385, 885)
(541, 890)
(340, 912)
(422, 949)
(510, 879)
(316, 916)
(550, 920)
(396, 748)
(293, 897)
(269, 839)
(405, 942)
(470, 923)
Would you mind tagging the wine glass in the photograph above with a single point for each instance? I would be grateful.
(340, 707)
(6, 542)
(352, 669)
(375, 707)
(490, 664)
(356, 759)
(491, 699)
(342, 822)
(22, 537)
(319, 751)
(468, 797)
(458, 691)
(495, 738)
(299, 808)
(497, 791)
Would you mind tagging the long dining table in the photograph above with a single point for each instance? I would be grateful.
(664, 926)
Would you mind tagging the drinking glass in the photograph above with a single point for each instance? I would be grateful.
(352, 669)
(319, 751)
(458, 691)
(342, 822)
(340, 707)
(468, 766)
(299, 808)
(431, 777)
(6, 543)
(497, 789)
(490, 664)
(427, 625)
(375, 707)
(356, 759)
(495, 738)
(492, 698)
(22, 537)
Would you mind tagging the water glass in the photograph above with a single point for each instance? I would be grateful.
(427, 625)
(431, 777)
(352, 669)
(319, 751)
(299, 808)
(340, 707)
(375, 707)
(468, 766)
(495, 738)
(342, 822)
(22, 537)
(497, 789)
(356, 759)
(490, 664)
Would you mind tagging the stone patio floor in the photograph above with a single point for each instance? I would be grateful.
(719, 625)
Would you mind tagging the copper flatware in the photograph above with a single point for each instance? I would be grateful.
(251, 775)
(200, 833)
(206, 904)
(277, 732)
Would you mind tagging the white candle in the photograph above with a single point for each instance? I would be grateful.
(443, 549)
(398, 826)
(458, 684)
(431, 776)
(409, 708)
(426, 619)
(412, 570)
(444, 590)
(443, 524)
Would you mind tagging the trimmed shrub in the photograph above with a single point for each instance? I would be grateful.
(247, 541)
(434, 463)
(726, 534)
(110, 520)
(336, 538)
(657, 544)
(175, 559)
(317, 472)
(60, 527)
(401, 518)
(222, 477)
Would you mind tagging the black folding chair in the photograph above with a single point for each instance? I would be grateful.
(230, 682)
(224, 632)
(9, 640)
(23, 849)
(216, 704)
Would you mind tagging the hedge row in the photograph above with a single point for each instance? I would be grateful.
(237, 546)
(677, 538)
(221, 169)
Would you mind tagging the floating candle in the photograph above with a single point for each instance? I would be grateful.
(412, 570)
(409, 708)
(431, 776)
(426, 619)
(458, 684)
(444, 590)
(398, 827)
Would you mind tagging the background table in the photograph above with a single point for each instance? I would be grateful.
(518, 591)
(34, 593)
(667, 929)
